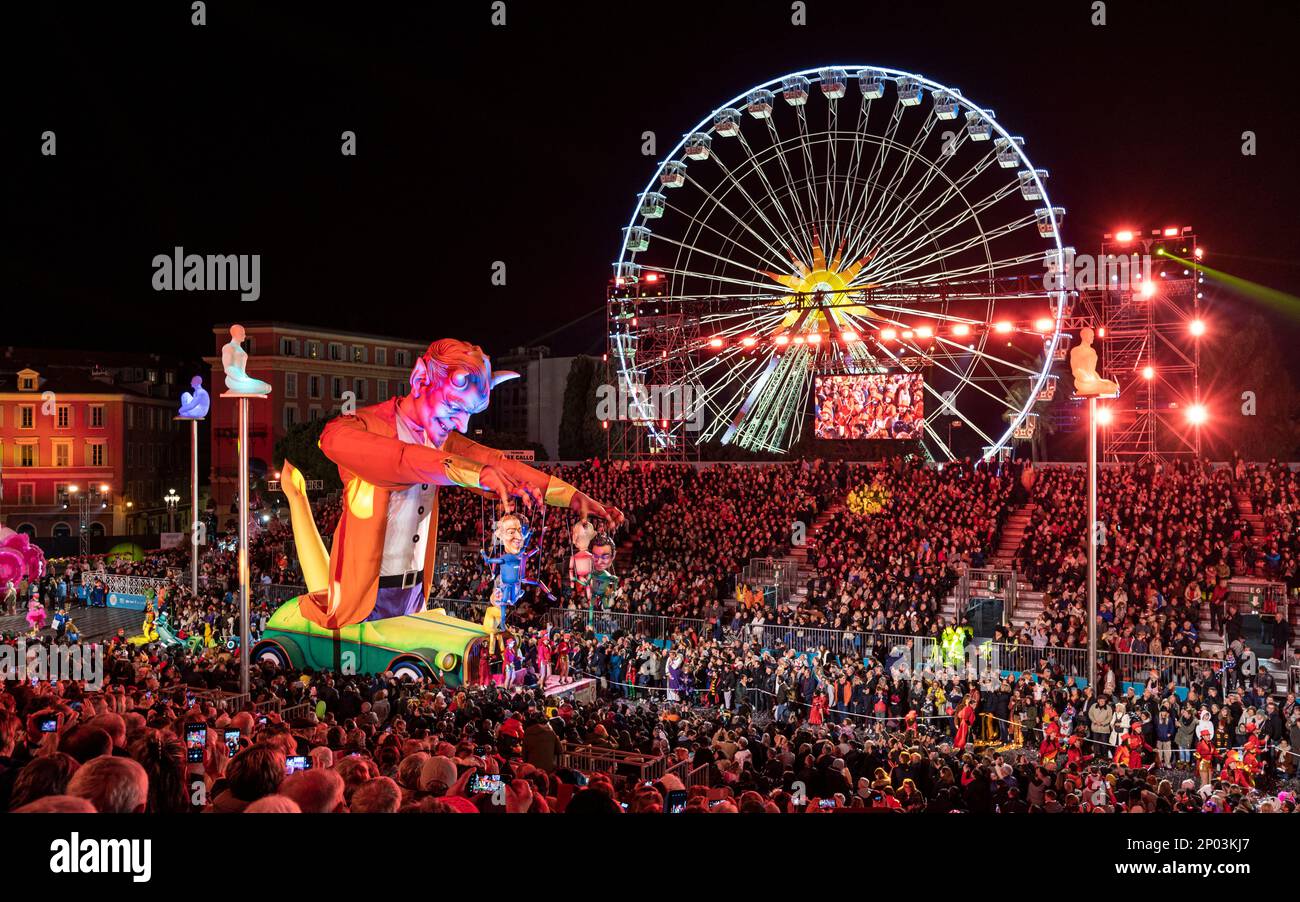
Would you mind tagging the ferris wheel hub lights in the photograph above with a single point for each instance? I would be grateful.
(798, 339)
(849, 335)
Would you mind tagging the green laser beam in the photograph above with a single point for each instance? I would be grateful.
(1279, 300)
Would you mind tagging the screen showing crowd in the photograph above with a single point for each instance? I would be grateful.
(870, 406)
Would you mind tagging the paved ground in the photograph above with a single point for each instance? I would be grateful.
(94, 623)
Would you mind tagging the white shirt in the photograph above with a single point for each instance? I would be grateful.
(406, 535)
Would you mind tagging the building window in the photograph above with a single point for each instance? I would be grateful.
(61, 530)
(314, 412)
(96, 454)
(288, 347)
(381, 356)
(130, 417)
(27, 529)
(169, 377)
(25, 454)
(359, 386)
(26, 493)
(381, 389)
(26, 416)
(358, 354)
(336, 351)
(62, 454)
(153, 375)
(290, 415)
(313, 350)
(401, 358)
(313, 386)
(63, 416)
(96, 416)
(336, 388)
(27, 382)
(291, 385)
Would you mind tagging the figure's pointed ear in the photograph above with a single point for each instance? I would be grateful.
(419, 376)
(503, 376)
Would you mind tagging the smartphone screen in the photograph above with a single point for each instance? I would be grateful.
(826, 803)
(676, 801)
(232, 743)
(49, 725)
(296, 763)
(485, 783)
(196, 737)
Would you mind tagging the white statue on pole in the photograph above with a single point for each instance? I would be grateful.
(234, 360)
(1083, 363)
(194, 406)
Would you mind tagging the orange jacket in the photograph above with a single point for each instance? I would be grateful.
(373, 463)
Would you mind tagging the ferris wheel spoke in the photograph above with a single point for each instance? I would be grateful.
(882, 233)
(795, 233)
(700, 225)
(954, 190)
(898, 247)
(899, 174)
(902, 263)
(778, 146)
(782, 236)
(719, 204)
(809, 170)
(851, 176)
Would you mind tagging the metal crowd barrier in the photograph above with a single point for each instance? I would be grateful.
(596, 759)
(913, 653)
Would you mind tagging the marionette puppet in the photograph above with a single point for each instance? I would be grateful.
(603, 583)
(513, 534)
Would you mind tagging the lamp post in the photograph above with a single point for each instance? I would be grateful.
(172, 500)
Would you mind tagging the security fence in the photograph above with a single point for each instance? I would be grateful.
(898, 653)
(777, 578)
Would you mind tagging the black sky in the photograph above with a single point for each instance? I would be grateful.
(522, 144)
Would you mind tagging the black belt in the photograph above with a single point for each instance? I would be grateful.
(402, 580)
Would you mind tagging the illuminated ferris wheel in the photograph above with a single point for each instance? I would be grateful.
(839, 224)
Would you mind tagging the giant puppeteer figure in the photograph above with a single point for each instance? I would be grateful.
(392, 458)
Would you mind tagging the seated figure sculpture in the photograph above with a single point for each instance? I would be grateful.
(234, 359)
(194, 406)
(1083, 363)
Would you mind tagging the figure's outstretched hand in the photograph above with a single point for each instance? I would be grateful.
(505, 487)
(588, 507)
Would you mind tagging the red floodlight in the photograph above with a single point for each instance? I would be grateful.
(652, 277)
(961, 329)
(783, 339)
(748, 341)
(1043, 324)
(1002, 327)
(888, 334)
(1171, 232)
(1197, 327)
(1124, 236)
(1104, 416)
(715, 342)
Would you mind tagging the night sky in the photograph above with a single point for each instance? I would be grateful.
(522, 144)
